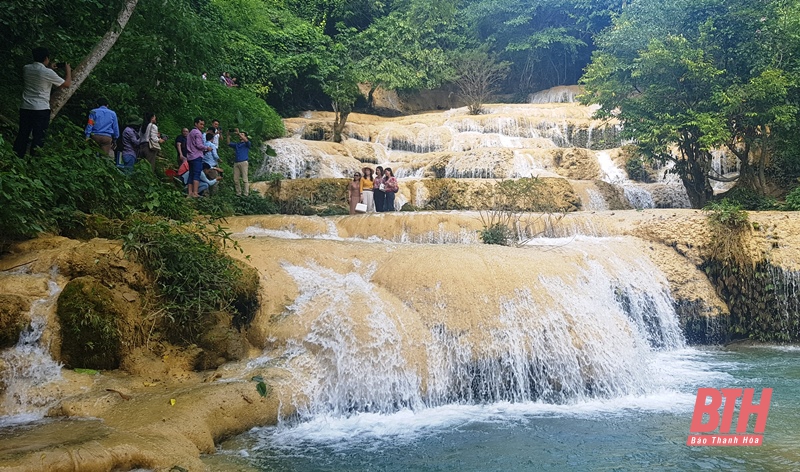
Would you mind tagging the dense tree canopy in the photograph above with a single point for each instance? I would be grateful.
(702, 76)
(699, 75)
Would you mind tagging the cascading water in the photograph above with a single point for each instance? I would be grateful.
(29, 366)
(593, 337)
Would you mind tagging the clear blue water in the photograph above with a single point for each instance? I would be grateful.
(631, 433)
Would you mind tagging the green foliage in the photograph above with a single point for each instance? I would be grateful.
(547, 42)
(700, 76)
(71, 178)
(749, 199)
(635, 168)
(497, 234)
(191, 271)
(793, 200)
(727, 213)
(89, 333)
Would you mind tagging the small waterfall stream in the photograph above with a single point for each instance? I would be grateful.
(29, 366)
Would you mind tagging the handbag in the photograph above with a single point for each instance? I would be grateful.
(361, 207)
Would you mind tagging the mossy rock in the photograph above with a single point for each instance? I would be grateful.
(247, 299)
(90, 337)
(220, 343)
(446, 194)
(82, 226)
(13, 318)
(613, 195)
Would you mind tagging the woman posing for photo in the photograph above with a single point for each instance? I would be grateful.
(354, 192)
(389, 188)
(377, 189)
(366, 189)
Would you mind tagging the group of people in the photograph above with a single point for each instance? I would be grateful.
(375, 190)
(228, 81)
(198, 158)
(225, 79)
(139, 139)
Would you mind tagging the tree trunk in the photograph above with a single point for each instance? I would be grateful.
(371, 97)
(694, 169)
(91, 60)
(341, 114)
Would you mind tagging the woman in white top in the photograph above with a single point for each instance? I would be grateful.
(150, 140)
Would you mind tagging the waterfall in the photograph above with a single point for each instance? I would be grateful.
(29, 366)
(564, 94)
(556, 338)
(638, 197)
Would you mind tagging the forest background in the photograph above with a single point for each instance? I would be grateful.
(692, 76)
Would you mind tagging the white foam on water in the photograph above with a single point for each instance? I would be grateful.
(611, 173)
(681, 372)
(29, 365)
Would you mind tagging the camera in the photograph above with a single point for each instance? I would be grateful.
(61, 65)
(164, 136)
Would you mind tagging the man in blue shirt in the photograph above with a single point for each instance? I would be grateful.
(102, 127)
(240, 165)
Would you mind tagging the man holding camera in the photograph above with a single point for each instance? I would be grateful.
(240, 165)
(34, 113)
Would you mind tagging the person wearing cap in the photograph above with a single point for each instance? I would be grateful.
(34, 113)
(102, 127)
(130, 144)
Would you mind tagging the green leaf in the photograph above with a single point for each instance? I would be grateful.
(86, 371)
(262, 389)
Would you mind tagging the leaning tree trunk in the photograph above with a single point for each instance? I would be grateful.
(91, 60)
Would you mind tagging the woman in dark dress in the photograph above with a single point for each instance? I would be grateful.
(377, 189)
(389, 189)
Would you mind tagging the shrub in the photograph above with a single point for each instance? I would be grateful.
(729, 225)
(749, 199)
(192, 273)
(497, 234)
(726, 213)
(90, 337)
(504, 216)
(636, 170)
(793, 200)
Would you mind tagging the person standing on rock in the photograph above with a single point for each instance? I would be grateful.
(377, 189)
(240, 164)
(354, 192)
(196, 148)
(390, 188)
(367, 183)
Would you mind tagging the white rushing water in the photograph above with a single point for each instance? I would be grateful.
(599, 339)
(29, 366)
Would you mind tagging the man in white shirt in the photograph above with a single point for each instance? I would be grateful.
(34, 113)
(217, 132)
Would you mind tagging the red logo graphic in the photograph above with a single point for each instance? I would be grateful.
(724, 421)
